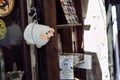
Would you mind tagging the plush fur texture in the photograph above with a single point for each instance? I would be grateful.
(38, 34)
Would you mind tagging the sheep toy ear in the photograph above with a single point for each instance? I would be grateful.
(52, 30)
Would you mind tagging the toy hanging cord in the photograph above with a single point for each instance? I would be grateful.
(33, 12)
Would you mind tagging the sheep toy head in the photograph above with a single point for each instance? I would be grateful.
(38, 34)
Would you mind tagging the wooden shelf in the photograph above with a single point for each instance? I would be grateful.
(68, 25)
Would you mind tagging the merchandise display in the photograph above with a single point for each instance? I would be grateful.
(6, 7)
(69, 11)
(2, 29)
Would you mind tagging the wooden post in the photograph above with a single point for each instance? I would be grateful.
(51, 49)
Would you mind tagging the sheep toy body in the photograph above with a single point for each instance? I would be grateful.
(37, 34)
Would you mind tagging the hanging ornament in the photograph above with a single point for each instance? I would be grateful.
(2, 29)
(38, 34)
(6, 6)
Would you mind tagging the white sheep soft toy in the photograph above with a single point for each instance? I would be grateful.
(38, 34)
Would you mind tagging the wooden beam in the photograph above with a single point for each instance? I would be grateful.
(51, 49)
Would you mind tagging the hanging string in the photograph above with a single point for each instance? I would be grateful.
(33, 32)
(33, 14)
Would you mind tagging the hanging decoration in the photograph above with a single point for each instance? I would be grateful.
(15, 74)
(6, 6)
(38, 34)
(2, 29)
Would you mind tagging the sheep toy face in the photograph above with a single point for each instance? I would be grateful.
(38, 34)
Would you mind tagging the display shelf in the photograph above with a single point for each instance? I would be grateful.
(68, 25)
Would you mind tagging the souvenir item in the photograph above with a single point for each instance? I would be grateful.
(2, 29)
(6, 6)
(15, 74)
(13, 36)
(37, 34)
(69, 11)
(66, 67)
